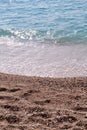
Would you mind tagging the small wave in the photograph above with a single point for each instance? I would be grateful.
(14, 37)
(5, 33)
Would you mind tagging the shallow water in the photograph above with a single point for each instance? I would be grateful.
(44, 60)
(43, 38)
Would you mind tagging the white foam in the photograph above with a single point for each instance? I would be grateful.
(35, 59)
(9, 41)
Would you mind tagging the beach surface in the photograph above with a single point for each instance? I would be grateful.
(34, 103)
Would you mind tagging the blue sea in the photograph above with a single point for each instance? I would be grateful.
(43, 37)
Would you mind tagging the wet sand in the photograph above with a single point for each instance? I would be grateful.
(34, 103)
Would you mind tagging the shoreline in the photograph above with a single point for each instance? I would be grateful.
(56, 61)
(38, 103)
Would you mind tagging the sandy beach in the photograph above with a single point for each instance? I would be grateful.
(34, 103)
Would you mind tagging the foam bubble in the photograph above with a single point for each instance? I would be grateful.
(9, 41)
(44, 59)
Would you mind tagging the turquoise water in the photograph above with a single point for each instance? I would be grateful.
(53, 21)
(43, 37)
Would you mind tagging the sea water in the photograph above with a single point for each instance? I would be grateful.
(43, 37)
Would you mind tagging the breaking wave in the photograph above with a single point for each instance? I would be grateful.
(41, 36)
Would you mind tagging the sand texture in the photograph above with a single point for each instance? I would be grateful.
(33, 103)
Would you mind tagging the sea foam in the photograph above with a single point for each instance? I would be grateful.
(49, 60)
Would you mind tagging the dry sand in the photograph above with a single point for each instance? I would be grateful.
(34, 103)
